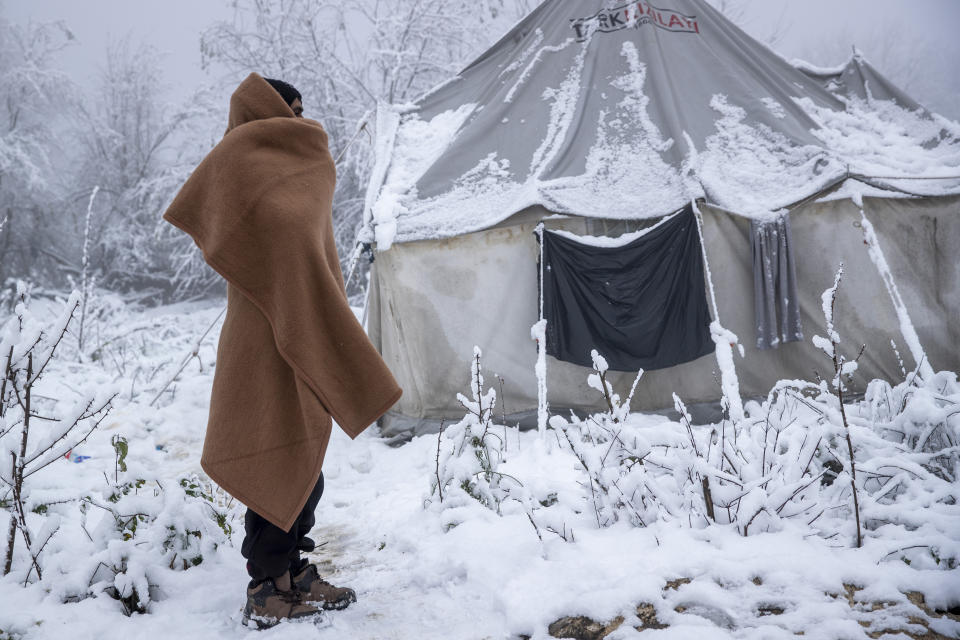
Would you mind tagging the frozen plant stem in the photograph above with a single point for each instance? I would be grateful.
(194, 353)
(704, 480)
(11, 535)
(86, 285)
(838, 362)
(606, 395)
(437, 469)
(12, 528)
(479, 381)
(18, 518)
(708, 499)
(16, 395)
(503, 413)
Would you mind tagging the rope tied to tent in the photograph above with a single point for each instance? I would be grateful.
(706, 263)
(360, 248)
(539, 232)
(363, 242)
(538, 332)
(907, 329)
(858, 176)
(723, 338)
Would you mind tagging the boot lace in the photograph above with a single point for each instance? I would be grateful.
(293, 596)
(315, 575)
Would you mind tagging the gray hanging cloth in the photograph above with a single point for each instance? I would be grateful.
(641, 304)
(774, 283)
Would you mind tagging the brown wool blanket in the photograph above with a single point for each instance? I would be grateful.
(291, 353)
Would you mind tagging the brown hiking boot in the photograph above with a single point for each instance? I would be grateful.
(275, 600)
(316, 589)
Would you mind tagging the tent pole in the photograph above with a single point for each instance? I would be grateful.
(538, 332)
(354, 259)
(723, 339)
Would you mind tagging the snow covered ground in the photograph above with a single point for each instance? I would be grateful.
(425, 569)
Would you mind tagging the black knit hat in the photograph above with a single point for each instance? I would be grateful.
(286, 90)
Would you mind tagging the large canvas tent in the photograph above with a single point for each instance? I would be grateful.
(601, 118)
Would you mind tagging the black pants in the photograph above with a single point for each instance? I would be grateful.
(270, 550)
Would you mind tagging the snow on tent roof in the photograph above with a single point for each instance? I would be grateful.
(626, 110)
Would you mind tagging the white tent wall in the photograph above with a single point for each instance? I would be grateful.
(921, 241)
(431, 301)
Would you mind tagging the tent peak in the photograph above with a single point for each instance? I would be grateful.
(641, 114)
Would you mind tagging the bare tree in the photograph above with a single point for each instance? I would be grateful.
(139, 151)
(346, 56)
(26, 446)
(30, 87)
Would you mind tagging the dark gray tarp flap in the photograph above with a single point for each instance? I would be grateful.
(776, 305)
(640, 305)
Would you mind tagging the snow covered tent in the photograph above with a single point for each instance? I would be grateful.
(600, 118)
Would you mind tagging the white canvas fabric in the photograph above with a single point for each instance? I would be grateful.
(625, 110)
(597, 111)
(432, 301)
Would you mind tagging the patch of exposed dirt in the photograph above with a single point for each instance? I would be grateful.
(584, 628)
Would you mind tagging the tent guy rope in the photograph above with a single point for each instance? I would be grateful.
(723, 338)
(539, 333)
(903, 316)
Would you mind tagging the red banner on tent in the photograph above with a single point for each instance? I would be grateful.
(634, 15)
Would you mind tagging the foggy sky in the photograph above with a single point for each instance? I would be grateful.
(915, 38)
